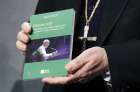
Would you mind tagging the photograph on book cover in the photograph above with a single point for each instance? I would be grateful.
(49, 49)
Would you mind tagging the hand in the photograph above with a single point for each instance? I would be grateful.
(23, 38)
(87, 65)
(92, 62)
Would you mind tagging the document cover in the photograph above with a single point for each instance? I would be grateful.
(51, 43)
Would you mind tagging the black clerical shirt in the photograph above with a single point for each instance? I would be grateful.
(94, 25)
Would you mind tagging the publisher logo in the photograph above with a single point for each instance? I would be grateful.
(44, 71)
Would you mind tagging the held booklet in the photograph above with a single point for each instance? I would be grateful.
(51, 44)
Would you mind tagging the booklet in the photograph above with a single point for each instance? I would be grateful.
(51, 44)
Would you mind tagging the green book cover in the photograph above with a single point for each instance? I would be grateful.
(51, 44)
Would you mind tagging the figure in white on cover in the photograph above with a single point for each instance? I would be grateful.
(44, 52)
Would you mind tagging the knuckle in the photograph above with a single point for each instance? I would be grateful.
(26, 27)
(25, 38)
(19, 35)
(17, 44)
(83, 75)
(21, 46)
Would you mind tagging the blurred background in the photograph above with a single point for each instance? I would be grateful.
(12, 14)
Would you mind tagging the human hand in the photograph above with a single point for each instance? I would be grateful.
(92, 62)
(23, 38)
(87, 65)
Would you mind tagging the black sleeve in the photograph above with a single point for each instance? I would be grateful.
(124, 61)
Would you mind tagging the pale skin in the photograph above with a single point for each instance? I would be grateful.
(89, 64)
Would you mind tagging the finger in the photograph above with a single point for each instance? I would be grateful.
(87, 71)
(75, 64)
(58, 80)
(21, 46)
(83, 72)
(26, 27)
(96, 66)
(23, 37)
(87, 78)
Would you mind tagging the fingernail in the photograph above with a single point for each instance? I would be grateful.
(67, 66)
(43, 80)
(26, 26)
